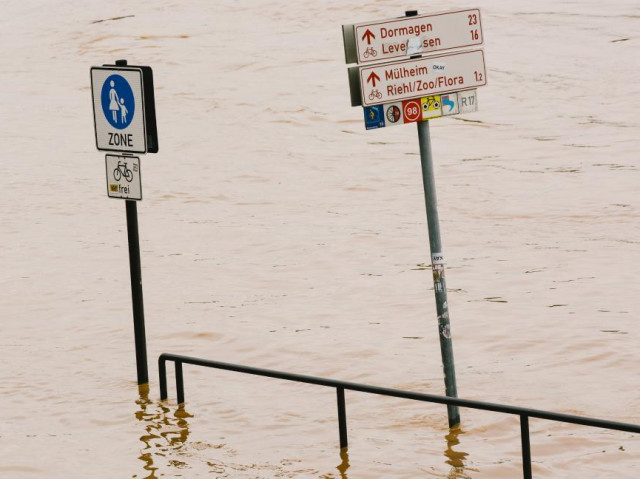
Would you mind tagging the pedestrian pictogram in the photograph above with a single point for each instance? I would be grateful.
(118, 102)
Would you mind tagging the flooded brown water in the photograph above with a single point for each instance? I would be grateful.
(277, 232)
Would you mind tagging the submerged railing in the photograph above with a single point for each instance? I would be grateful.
(341, 386)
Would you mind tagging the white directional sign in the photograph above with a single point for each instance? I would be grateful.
(387, 39)
(123, 177)
(118, 109)
(422, 77)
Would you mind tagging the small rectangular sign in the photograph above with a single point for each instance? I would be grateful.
(391, 82)
(123, 177)
(400, 37)
(450, 105)
(431, 107)
(373, 117)
(468, 101)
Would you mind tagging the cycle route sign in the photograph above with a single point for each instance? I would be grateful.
(397, 81)
(123, 177)
(420, 34)
(118, 109)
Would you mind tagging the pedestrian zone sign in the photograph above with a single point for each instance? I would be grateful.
(123, 109)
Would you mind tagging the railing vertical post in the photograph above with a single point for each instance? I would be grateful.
(342, 418)
(179, 382)
(162, 372)
(526, 446)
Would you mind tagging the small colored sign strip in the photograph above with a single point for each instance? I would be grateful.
(420, 109)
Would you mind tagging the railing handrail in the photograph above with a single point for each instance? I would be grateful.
(341, 386)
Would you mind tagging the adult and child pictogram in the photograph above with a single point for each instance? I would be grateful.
(117, 100)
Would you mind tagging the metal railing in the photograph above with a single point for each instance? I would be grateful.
(341, 386)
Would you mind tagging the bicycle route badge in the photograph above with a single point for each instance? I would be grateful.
(123, 177)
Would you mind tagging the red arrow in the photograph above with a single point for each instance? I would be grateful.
(372, 78)
(368, 36)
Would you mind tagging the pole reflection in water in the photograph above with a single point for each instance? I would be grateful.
(344, 465)
(454, 458)
(165, 433)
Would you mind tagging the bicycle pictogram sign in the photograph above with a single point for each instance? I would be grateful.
(122, 171)
(123, 177)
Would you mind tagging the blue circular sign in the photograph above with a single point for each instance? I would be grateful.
(118, 103)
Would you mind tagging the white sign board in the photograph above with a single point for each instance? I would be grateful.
(422, 77)
(387, 39)
(118, 109)
(123, 177)
(468, 101)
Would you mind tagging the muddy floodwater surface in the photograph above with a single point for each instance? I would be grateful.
(276, 232)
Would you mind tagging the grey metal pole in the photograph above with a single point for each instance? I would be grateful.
(136, 285)
(437, 265)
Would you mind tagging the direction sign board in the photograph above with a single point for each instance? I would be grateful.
(118, 109)
(123, 177)
(422, 77)
(388, 39)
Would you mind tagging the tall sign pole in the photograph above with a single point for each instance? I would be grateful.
(124, 118)
(437, 266)
(135, 269)
(404, 81)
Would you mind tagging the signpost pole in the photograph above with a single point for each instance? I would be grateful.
(437, 264)
(136, 285)
(136, 292)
